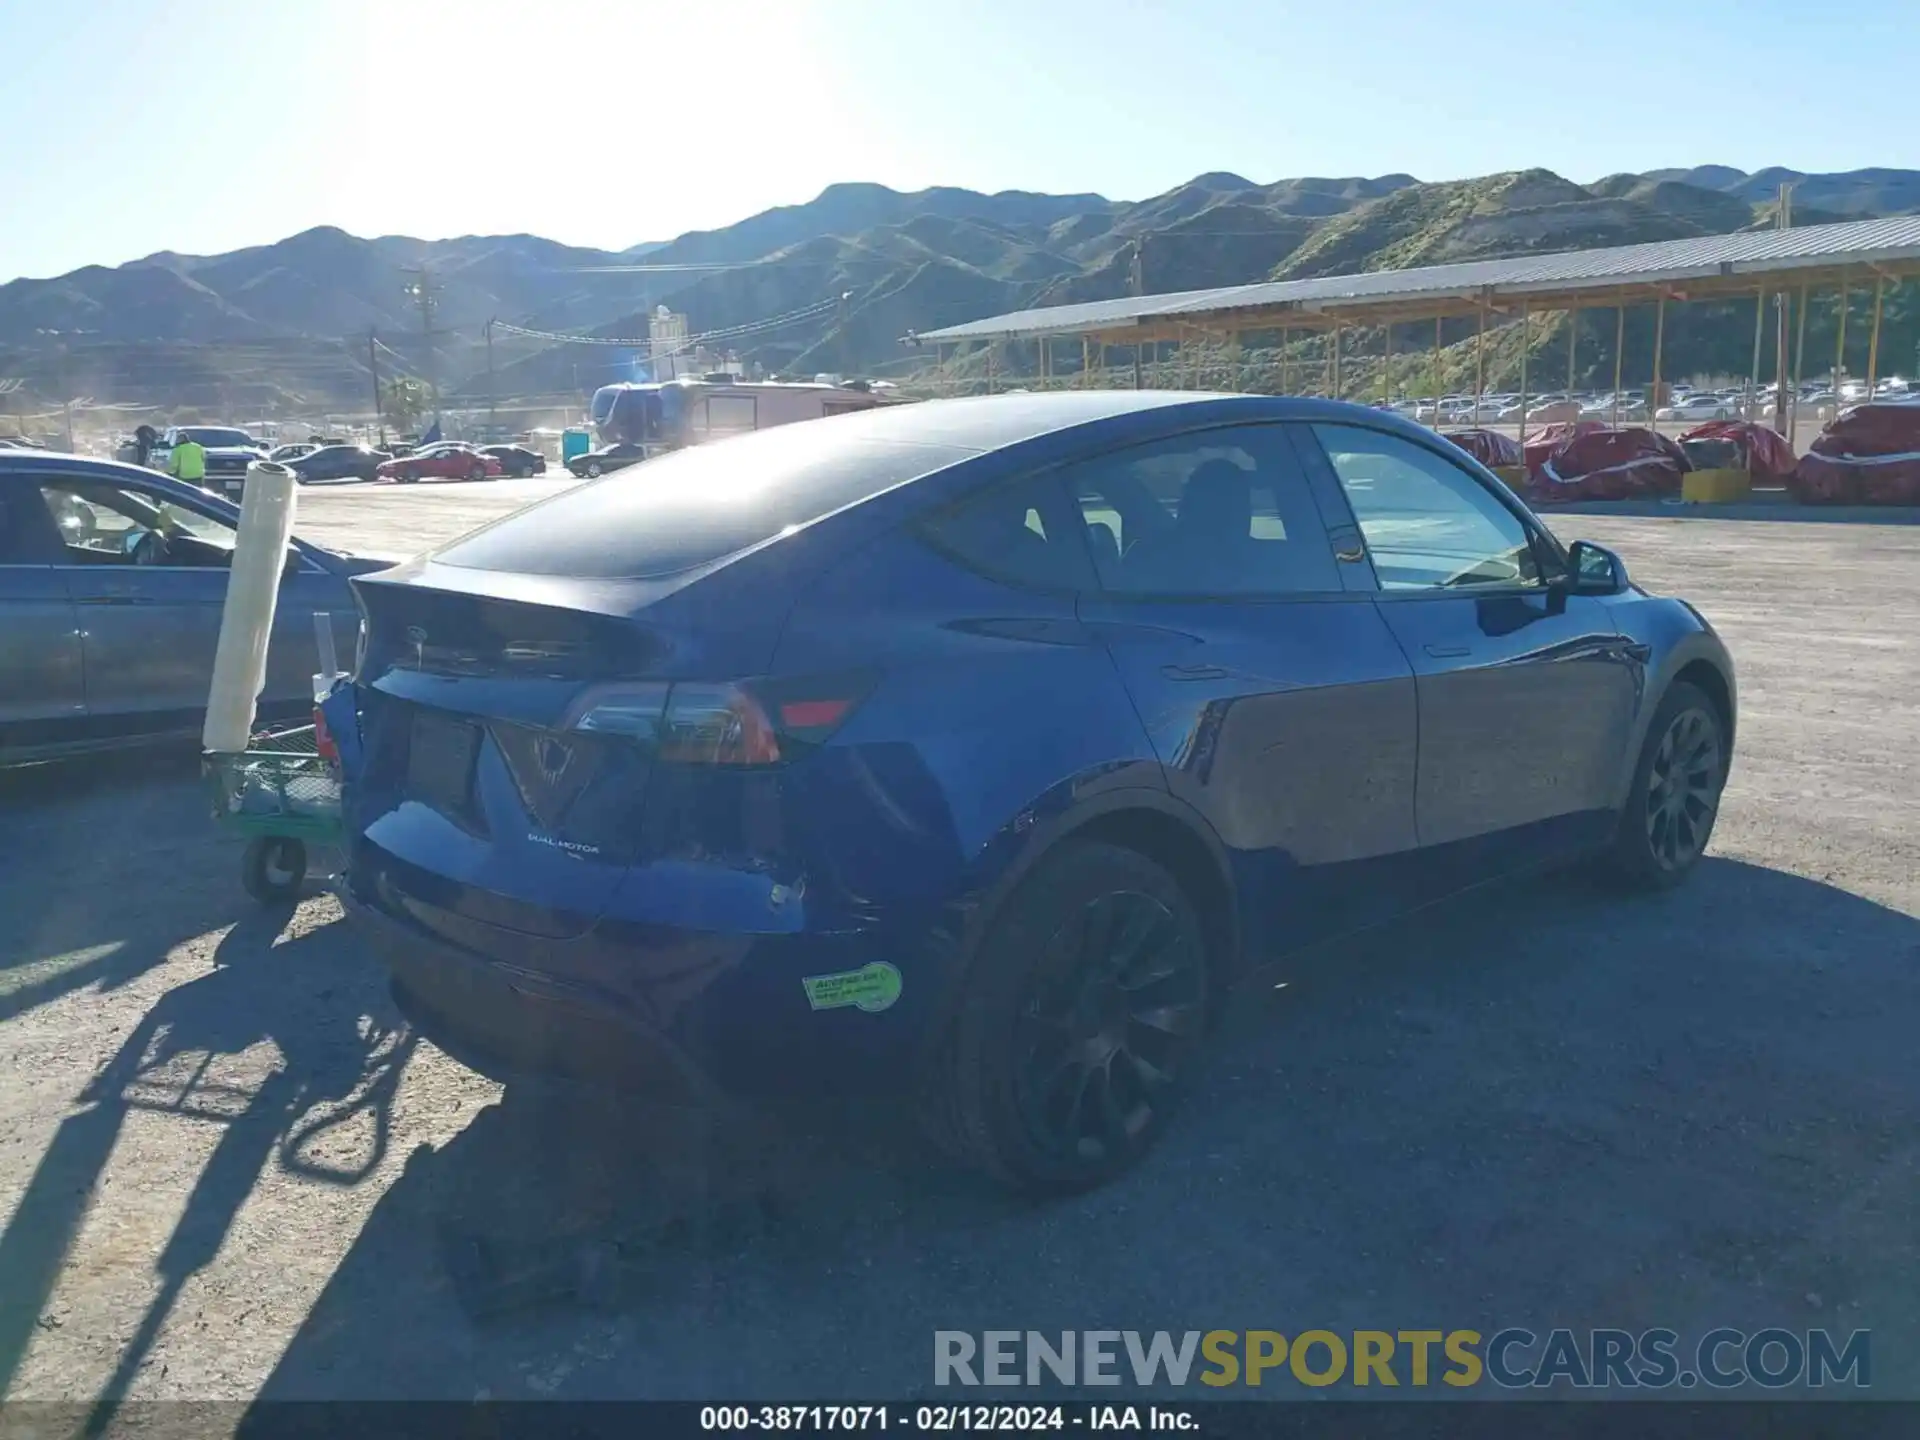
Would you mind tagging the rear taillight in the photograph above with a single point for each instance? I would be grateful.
(703, 722)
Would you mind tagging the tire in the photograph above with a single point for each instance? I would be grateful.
(274, 868)
(1077, 1025)
(593, 469)
(1675, 797)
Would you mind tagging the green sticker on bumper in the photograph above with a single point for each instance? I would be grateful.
(871, 988)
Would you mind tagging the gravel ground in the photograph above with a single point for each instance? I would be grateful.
(227, 1172)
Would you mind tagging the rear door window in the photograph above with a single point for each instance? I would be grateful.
(1218, 513)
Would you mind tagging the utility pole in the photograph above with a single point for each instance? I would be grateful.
(1782, 219)
(845, 296)
(489, 334)
(373, 368)
(422, 291)
(66, 395)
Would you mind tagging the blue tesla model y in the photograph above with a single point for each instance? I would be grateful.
(980, 746)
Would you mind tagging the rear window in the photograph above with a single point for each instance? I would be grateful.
(696, 505)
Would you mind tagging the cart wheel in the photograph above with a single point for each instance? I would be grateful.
(274, 868)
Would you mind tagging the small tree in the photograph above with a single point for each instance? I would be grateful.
(403, 400)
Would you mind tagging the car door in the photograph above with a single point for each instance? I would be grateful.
(1527, 692)
(1274, 693)
(150, 630)
(42, 697)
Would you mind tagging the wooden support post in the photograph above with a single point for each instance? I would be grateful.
(1840, 347)
(1619, 354)
(1286, 360)
(1799, 357)
(1753, 378)
(1086, 362)
(990, 359)
(1041, 363)
(1573, 346)
(1526, 334)
(1659, 341)
(1479, 361)
(1236, 379)
(1438, 384)
(1386, 368)
(1334, 363)
(1873, 342)
(1782, 302)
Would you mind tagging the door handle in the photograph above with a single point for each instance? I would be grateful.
(1448, 652)
(114, 597)
(1194, 672)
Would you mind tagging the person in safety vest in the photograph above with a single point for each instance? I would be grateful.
(188, 461)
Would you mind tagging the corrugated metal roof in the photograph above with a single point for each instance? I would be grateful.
(1757, 252)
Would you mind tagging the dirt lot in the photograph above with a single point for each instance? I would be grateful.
(227, 1171)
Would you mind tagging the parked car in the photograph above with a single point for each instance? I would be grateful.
(446, 461)
(517, 460)
(1698, 407)
(339, 462)
(607, 459)
(952, 788)
(112, 580)
(281, 454)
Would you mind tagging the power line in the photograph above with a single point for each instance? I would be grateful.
(752, 327)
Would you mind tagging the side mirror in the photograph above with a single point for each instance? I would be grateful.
(1595, 570)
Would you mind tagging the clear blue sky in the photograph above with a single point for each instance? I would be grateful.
(608, 122)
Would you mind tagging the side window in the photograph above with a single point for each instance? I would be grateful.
(1428, 523)
(1023, 532)
(731, 414)
(103, 524)
(1217, 513)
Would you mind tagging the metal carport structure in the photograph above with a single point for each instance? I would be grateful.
(1756, 263)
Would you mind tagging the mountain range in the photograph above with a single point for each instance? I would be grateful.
(302, 324)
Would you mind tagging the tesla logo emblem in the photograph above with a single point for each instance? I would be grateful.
(419, 638)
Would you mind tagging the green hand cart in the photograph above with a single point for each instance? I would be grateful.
(284, 795)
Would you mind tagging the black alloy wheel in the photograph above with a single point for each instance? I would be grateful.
(1101, 1037)
(1085, 1004)
(1675, 799)
(1683, 788)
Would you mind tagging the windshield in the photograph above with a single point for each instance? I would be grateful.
(212, 435)
(695, 505)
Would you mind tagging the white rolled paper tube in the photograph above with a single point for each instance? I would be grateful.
(246, 623)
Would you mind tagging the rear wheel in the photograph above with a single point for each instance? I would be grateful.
(1078, 1025)
(1675, 797)
(593, 469)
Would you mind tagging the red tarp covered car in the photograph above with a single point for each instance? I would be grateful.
(1542, 443)
(1763, 451)
(1489, 447)
(1632, 463)
(1870, 455)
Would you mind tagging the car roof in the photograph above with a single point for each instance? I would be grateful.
(995, 422)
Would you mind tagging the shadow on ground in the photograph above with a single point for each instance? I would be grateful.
(78, 840)
(1541, 1106)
